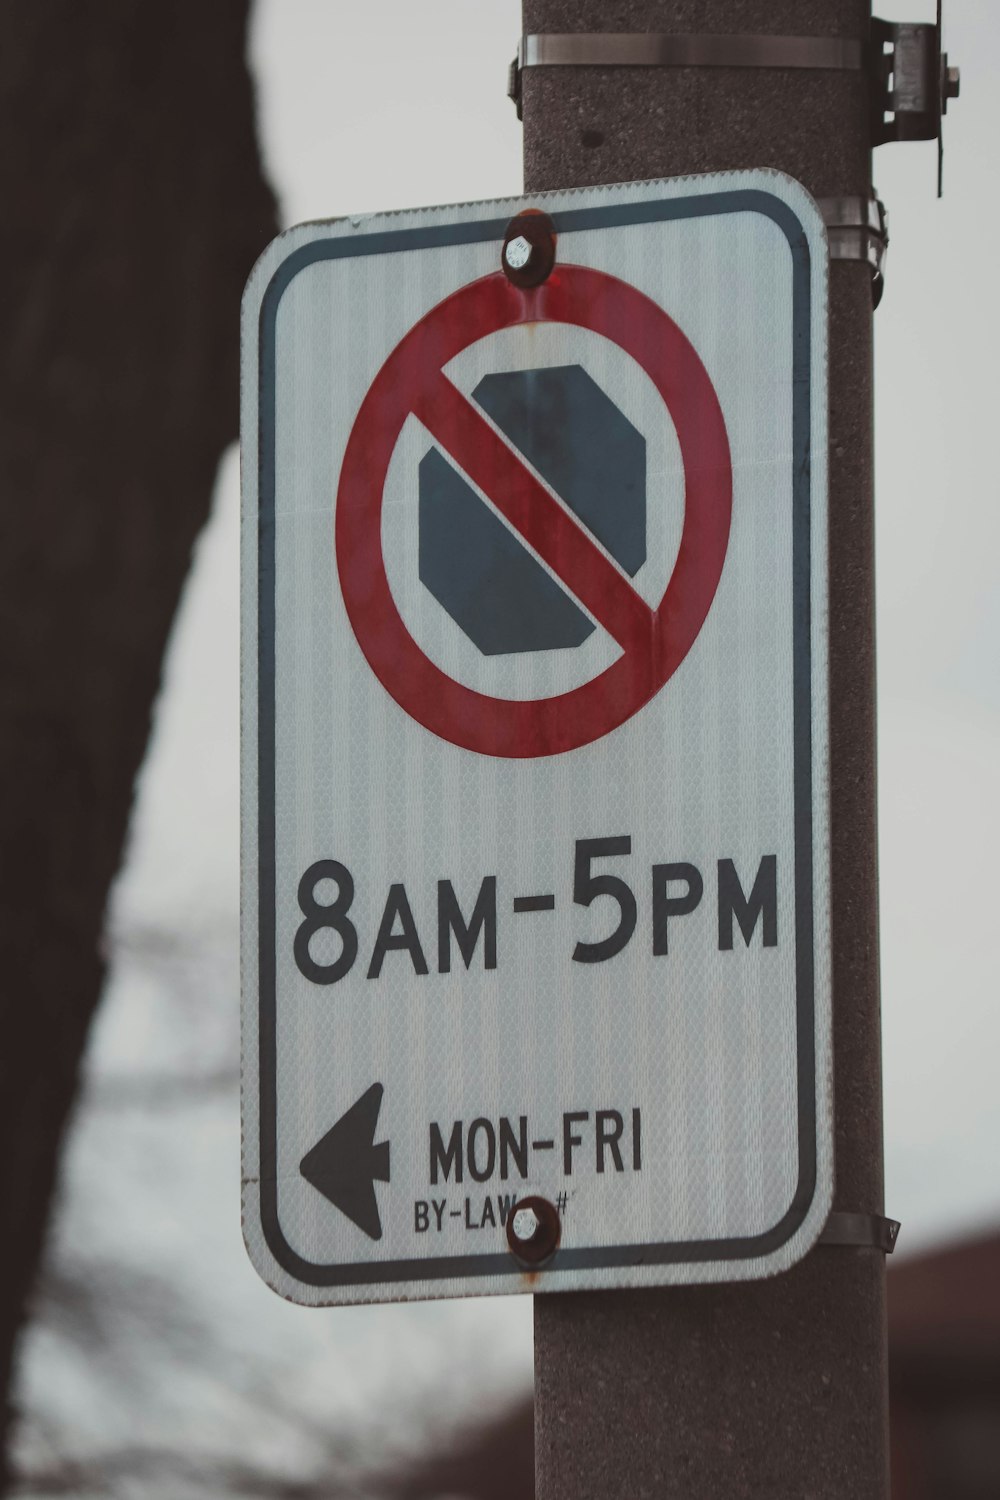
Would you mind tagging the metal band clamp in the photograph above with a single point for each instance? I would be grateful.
(909, 75)
(636, 49)
(655, 49)
(871, 1231)
(857, 229)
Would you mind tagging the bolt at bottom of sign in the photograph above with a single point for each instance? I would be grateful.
(534, 1230)
(525, 1224)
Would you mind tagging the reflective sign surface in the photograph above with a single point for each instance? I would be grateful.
(535, 865)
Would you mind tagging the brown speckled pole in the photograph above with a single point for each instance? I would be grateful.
(776, 1389)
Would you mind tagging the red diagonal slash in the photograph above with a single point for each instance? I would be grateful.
(654, 641)
(573, 556)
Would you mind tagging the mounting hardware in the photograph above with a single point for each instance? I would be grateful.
(911, 78)
(857, 229)
(865, 1230)
(533, 1231)
(912, 82)
(529, 248)
(655, 49)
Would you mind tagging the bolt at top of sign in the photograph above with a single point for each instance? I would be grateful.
(518, 252)
(529, 248)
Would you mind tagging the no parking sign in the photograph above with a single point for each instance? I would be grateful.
(535, 866)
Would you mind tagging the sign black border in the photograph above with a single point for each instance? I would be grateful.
(453, 1267)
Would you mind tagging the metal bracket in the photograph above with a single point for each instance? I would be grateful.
(870, 1231)
(858, 229)
(911, 80)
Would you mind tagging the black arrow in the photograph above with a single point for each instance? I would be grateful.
(344, 1165)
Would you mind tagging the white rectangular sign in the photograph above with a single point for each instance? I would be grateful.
(535, 847)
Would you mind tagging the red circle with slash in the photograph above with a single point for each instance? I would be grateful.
(653, 641)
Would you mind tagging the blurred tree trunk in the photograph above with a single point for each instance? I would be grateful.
(134, 205)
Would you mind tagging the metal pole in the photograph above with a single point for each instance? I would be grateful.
(774, 1389)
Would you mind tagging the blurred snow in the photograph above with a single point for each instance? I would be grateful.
(158, 1364)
